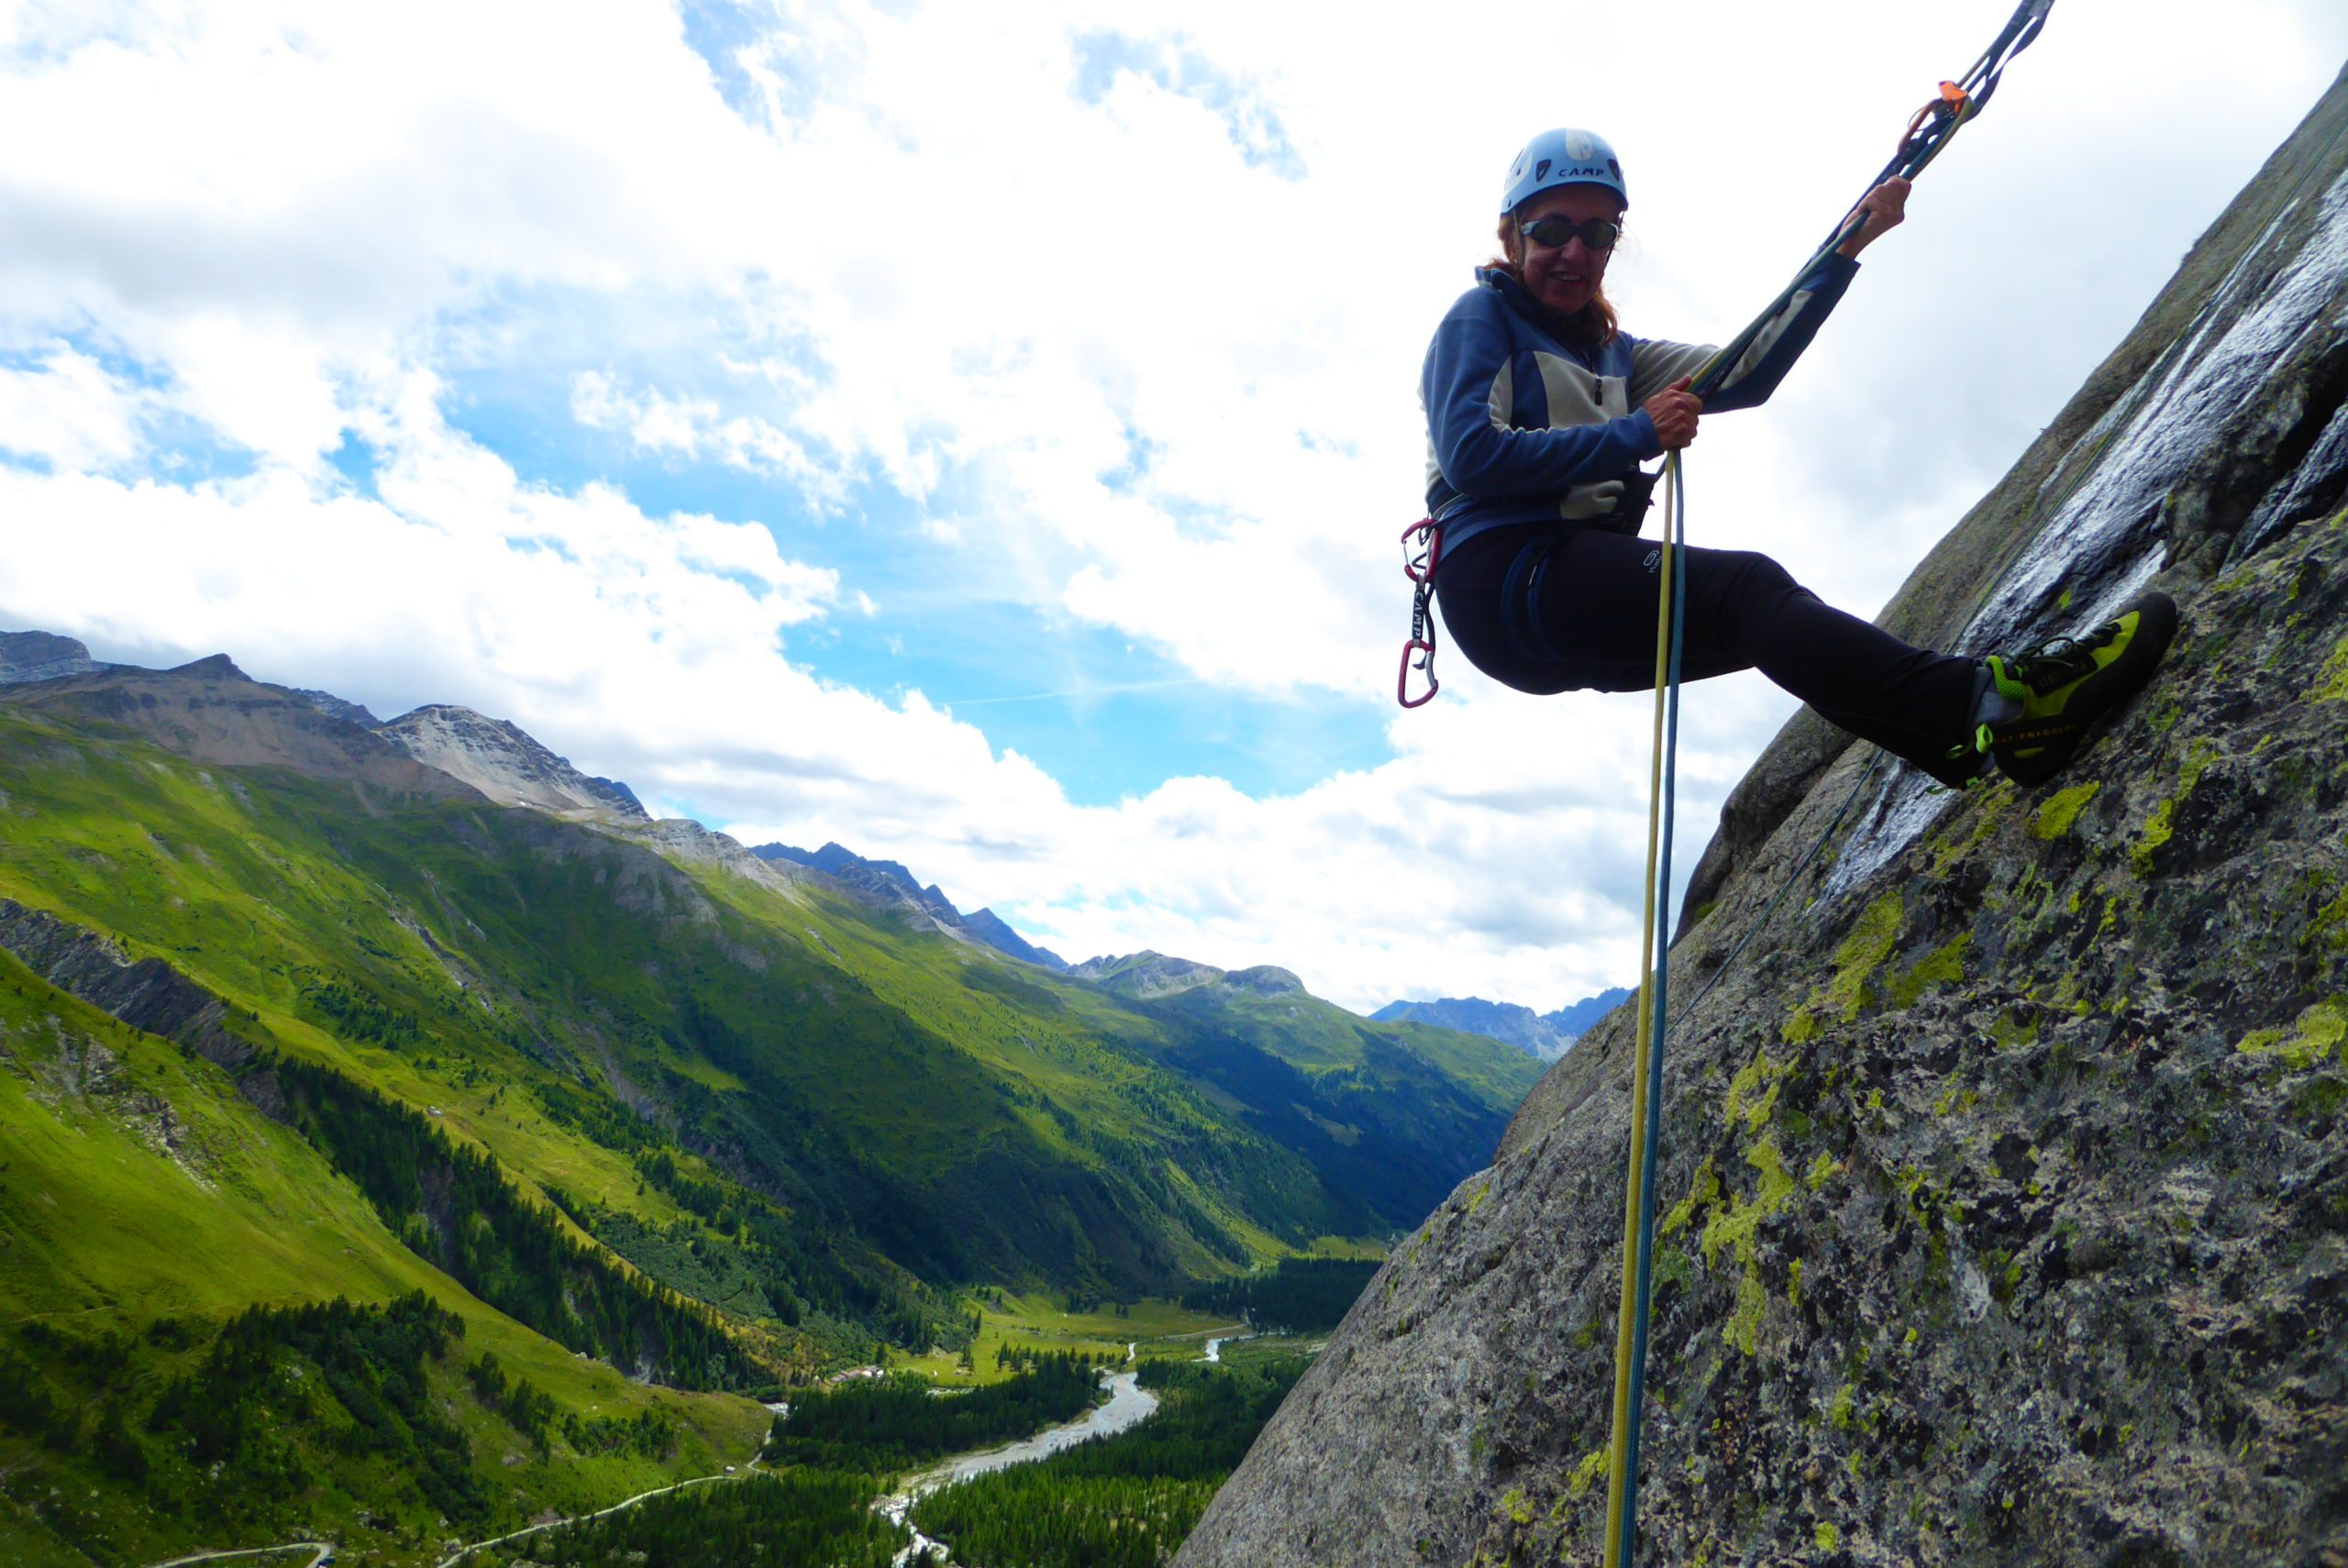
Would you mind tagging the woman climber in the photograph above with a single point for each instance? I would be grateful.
(1539, 411)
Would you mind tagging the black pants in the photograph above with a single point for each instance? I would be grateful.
(1546, 608)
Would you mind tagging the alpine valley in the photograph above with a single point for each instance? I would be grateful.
(403, 1137)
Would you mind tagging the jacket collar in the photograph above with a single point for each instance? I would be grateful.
(1536, 315)
(1505, 284)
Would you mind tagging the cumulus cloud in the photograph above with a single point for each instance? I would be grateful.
(698, 429)
(68, 410)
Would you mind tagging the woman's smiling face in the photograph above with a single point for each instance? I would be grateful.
(1565, 277)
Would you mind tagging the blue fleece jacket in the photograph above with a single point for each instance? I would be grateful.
(1522, 426)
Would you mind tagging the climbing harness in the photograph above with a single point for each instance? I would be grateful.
(1928, 133)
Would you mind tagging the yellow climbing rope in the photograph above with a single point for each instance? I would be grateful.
(1629, 1324)
(1928, 133)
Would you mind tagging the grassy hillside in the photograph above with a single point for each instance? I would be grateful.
(143, 1203)
(546, 1105)
(917, 1108)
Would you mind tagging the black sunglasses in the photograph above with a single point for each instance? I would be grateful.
(1552, 232)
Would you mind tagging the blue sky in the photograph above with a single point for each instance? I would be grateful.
(980, 437)
(1105, 715)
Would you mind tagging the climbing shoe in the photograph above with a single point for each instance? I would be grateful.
(2041, 701)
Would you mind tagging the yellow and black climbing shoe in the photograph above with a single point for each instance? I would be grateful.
(2056, 689)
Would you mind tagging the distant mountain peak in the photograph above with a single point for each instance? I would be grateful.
(886, 884)
(1545, 1036)
(503, 762)
(996, 932)
(1266, 979)
(1148, 974)
(218, 667)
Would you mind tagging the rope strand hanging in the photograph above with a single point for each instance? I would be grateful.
(1929, 132)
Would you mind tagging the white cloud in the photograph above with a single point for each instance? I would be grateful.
(69, 411)
(699, 427)
(1137, 347)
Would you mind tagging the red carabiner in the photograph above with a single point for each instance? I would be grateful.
(1419, 566)
(1402, 677)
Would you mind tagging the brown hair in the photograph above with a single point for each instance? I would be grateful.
(1590, 328)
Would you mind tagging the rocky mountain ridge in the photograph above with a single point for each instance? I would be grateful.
(210, 711)
(42, 656)
(504, 763)
(2003, 1191)
(495, 757)
(1146, 975)
(1544, 1036)
(886, 884)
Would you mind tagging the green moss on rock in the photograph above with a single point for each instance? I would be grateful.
(2158, 828)
(1942, 966)
(2332, 680)
(1753, 1093)
(1703, 1190)
(2161, 824)
(1733, 1227)
(1984, 820)
(2318, 1033)
(1870, 943)
(2055, 814)
(2330, 927)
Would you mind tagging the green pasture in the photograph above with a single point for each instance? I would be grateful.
(1041, 1320)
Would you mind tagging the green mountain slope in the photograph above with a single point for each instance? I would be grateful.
(1391, 1110)
(294, 1017)
(143, 1201)
(570, 1000)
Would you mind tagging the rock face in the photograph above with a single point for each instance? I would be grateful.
(2003, 1203)
(341, 708)
(506, 764)
(42, 656)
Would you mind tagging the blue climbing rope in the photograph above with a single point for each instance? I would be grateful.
(1928, 133)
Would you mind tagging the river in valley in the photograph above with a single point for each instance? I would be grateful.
(1129, 1404)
